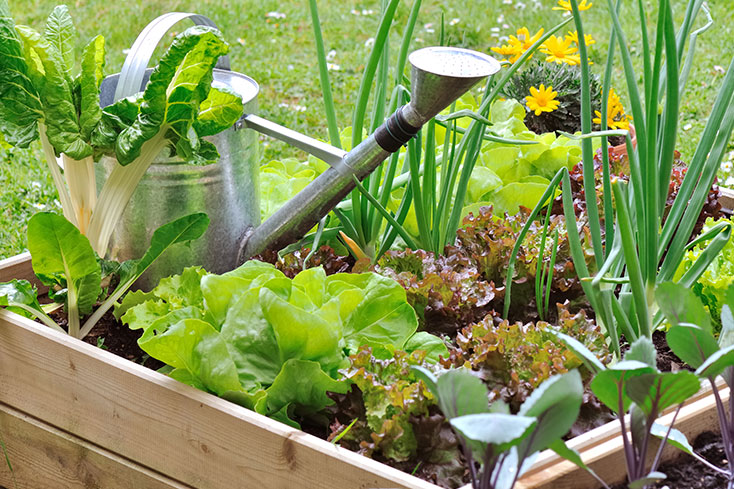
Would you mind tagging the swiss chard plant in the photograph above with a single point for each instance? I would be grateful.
(691, 338)
(498, 446)
(638, 393)
(267, 342)
(64, 260)
(45, 97)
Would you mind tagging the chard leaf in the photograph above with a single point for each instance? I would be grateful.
(221, 109)
(691, 343)
(555, 404)
(62, 255)
(60, 33)
(194, 345)
(172, 98)
(500, 430)
(89, 81)
(181, 230)
(59, 111)
(20, 105)
(113, 120)
(18, 293)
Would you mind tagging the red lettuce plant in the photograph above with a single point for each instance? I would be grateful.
(391, 416)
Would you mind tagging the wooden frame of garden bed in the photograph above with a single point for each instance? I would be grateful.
(727, 199)
(75, 416)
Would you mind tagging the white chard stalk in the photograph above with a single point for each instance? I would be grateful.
(116, 193)
(55, 169)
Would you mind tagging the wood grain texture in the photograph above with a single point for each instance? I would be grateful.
(43, 457)
(602, 449)
(726, 198)
(17, 267)
(186, 434)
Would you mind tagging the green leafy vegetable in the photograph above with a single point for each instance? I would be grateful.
(286, 339)
(499, 442)
(63, 259)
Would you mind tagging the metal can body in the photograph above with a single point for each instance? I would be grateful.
(227, 191)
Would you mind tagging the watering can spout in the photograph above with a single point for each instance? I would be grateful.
(439, 76)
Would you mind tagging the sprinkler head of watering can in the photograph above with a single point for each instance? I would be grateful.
(440, 75)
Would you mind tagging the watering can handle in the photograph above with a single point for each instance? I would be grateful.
(133, 70)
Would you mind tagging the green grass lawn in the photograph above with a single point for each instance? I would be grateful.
(272, 41)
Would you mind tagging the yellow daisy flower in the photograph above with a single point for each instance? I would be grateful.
(542, 99)
(524, 39)
(616, 118)
(512, 51)
(566, 5)
(518, 44)
(574, 37)
(560, 50)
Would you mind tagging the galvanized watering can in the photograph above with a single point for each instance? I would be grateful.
(228, 190)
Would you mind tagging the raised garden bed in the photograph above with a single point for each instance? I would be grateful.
(75, 413)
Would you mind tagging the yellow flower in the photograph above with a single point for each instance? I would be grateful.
(524, 39)
(574, 37)
(542, 99)
(559, 50)
(518, 44)
(616, 118)
(513, 52)
(566, 5)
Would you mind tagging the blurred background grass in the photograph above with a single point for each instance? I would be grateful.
(272, 41)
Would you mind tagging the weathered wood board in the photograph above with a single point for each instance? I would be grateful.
(42, 456)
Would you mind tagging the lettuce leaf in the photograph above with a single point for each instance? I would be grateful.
(284, 340)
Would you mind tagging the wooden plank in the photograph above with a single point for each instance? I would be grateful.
(19, 267)
(43, 457)
(183, 433)
(726, 199)
(605, 454)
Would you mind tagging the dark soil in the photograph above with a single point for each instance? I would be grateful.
(685, 472)
(113, 336)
